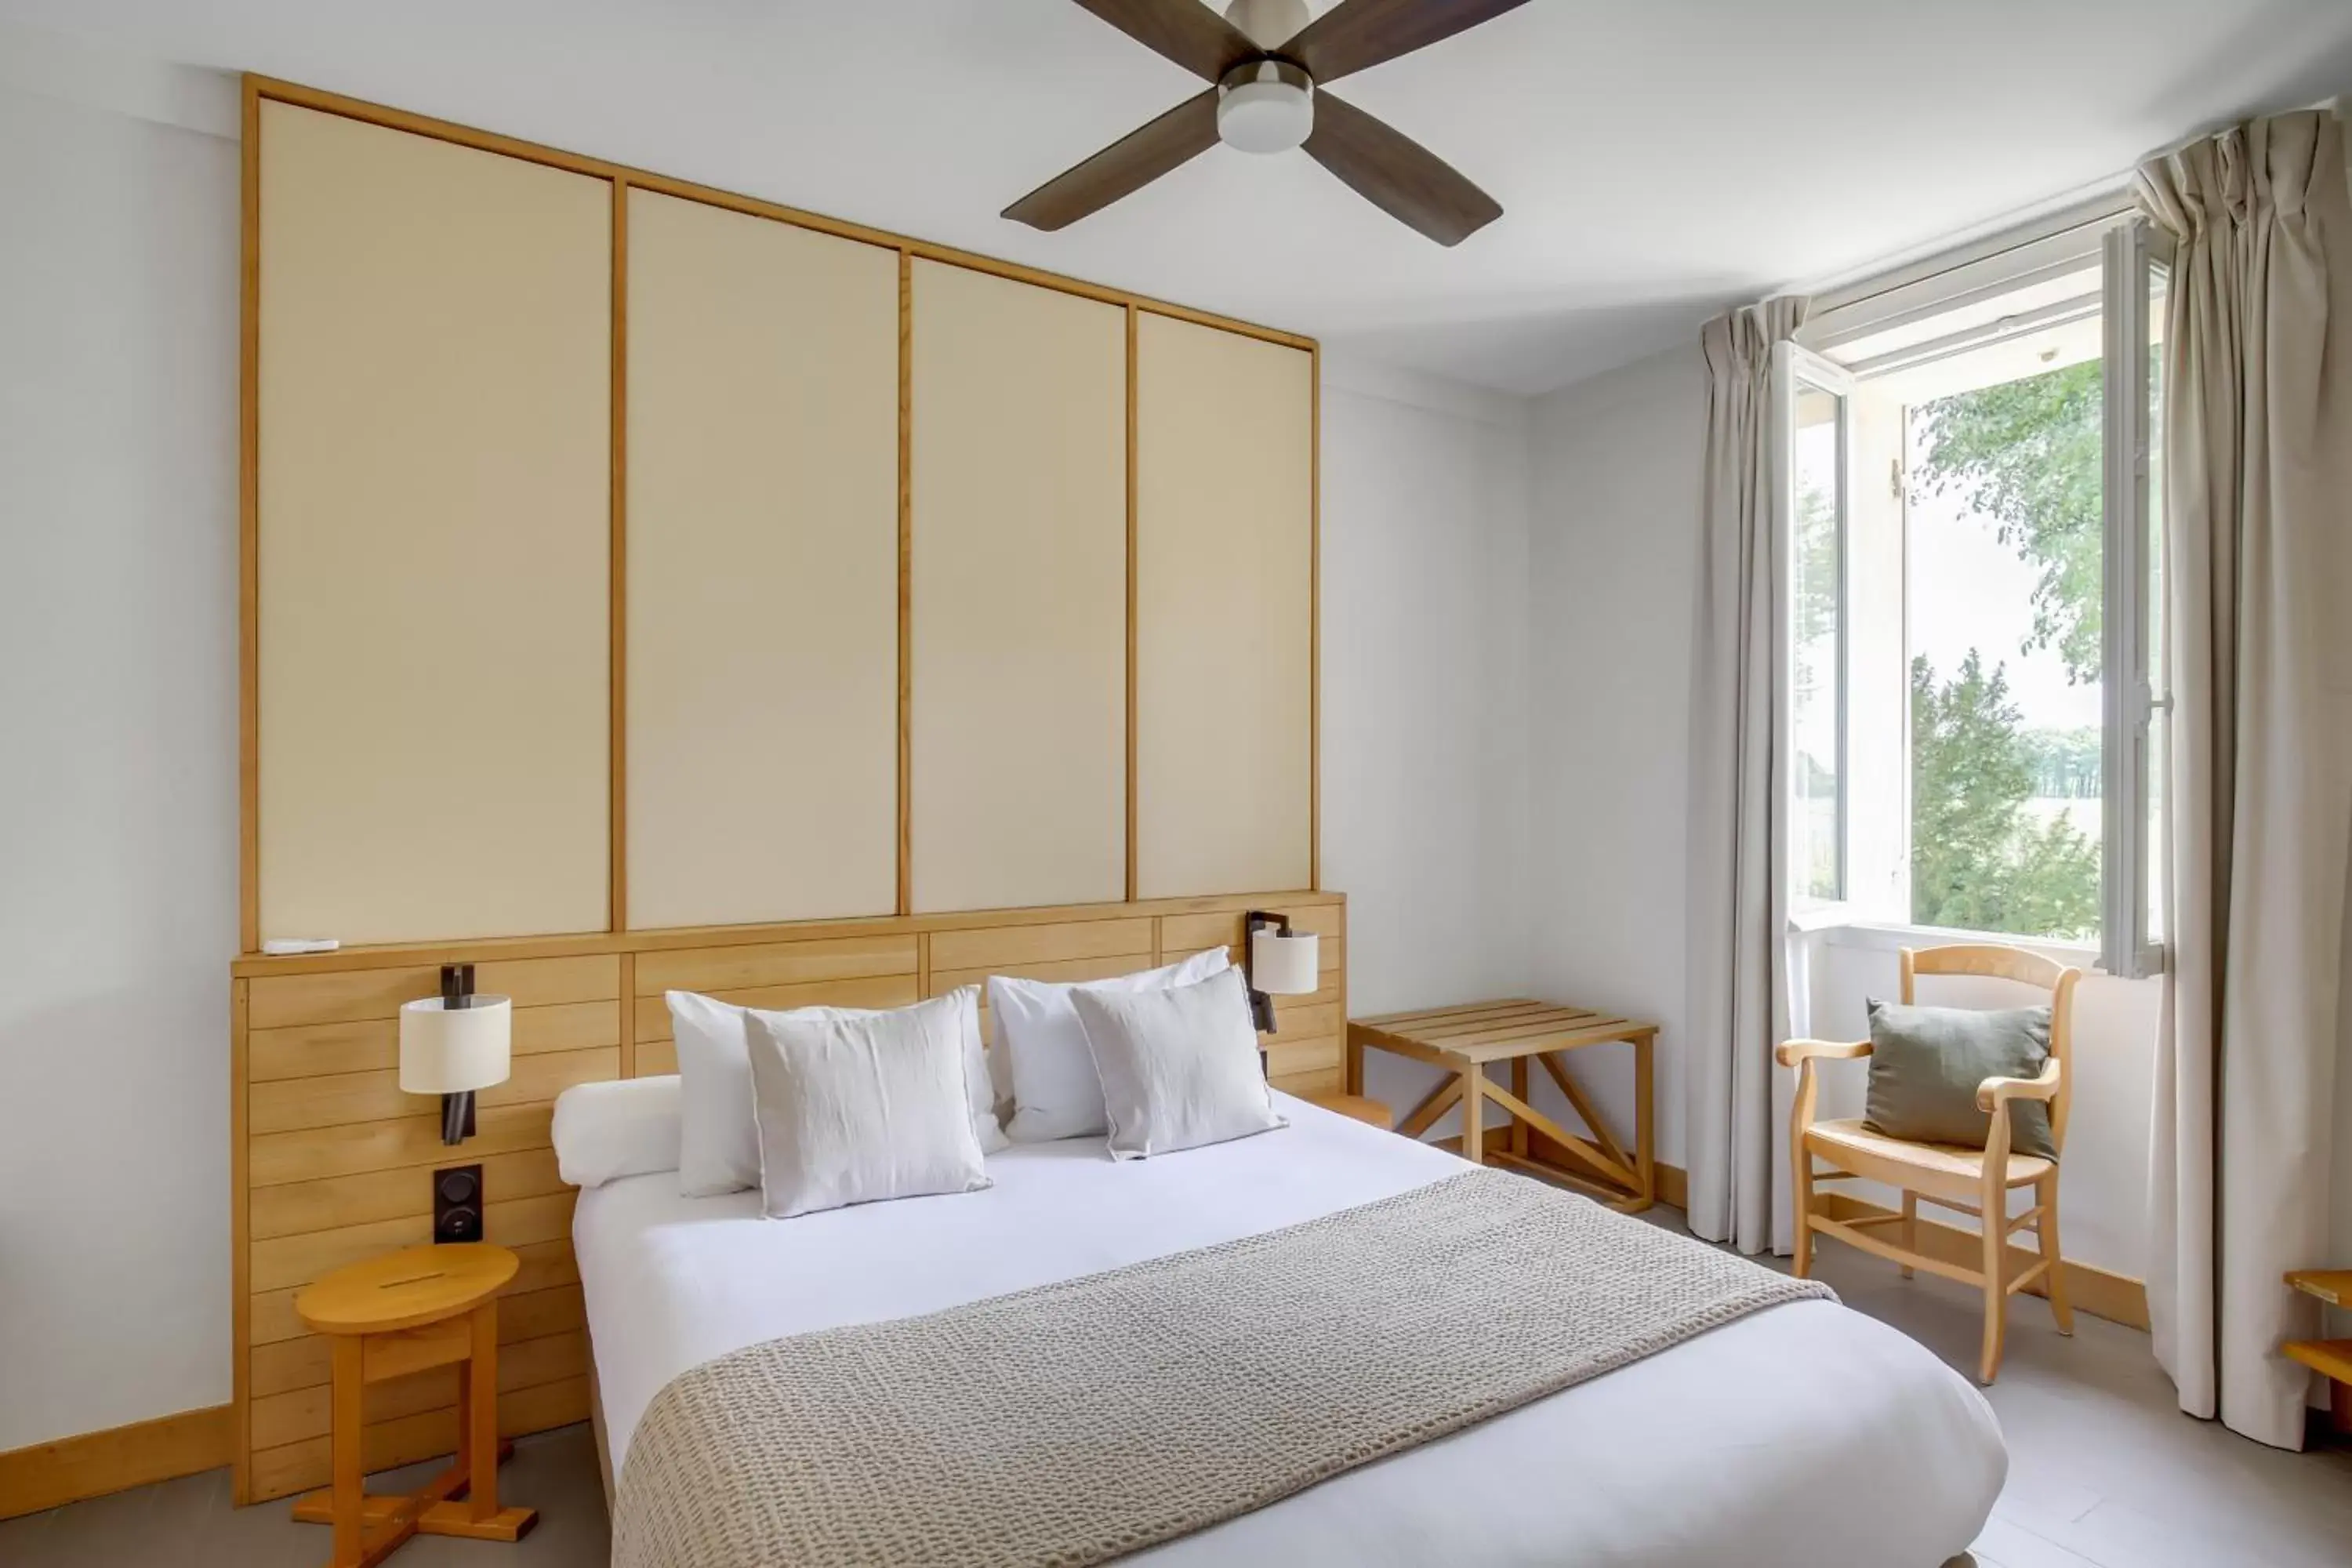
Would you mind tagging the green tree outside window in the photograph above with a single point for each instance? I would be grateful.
(2028, 455)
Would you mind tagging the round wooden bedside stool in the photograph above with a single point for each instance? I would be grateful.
(388, 1317)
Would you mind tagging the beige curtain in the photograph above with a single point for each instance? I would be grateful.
(1736, 993)
(2257, 455)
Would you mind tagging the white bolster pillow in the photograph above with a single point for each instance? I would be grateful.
(624, 1126)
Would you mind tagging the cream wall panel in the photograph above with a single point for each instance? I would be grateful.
(1019, 594)
(762, 523)
(1224, 611)
(434, 544)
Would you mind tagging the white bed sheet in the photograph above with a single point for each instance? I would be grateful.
(1806, 1433)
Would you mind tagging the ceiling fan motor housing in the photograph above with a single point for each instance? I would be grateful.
(1265, 106)
(1270, 60)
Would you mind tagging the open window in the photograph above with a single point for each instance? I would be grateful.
(1974, 572)
(1811, 398)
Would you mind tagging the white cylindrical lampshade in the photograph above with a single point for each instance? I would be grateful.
(450, 1050)
(1283, 965)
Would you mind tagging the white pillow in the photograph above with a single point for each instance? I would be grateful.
(719, 1145)
(1056, 1093)
(854, 1107)
(1179, 1068)
(621, 1127)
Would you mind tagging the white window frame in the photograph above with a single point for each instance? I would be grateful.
(2129, 258)
(2110, 233)
(1790, 365)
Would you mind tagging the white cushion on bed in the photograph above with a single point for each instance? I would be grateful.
(719, 1145)
(1180, 1066)
(854, 1107)
(621, 1127)
(1055, 1092)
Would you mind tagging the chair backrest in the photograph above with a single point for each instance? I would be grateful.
(1999, 961)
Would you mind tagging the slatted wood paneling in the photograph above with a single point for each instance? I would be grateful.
(337, 1161)
(851, 972)
(1303, 1054)
(1076, 949)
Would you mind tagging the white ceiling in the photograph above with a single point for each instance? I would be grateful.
(1656, 159)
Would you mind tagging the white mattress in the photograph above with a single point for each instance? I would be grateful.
(1803, 1435)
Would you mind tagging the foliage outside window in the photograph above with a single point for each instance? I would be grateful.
(1979, 719)
(1999, 805)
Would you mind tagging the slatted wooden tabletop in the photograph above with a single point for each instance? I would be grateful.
(1465, 1039)
(1481, 1032)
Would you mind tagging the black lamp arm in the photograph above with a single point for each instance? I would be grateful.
(456, 1110)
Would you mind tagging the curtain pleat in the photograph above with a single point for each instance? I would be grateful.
(2257, 458)
(1736, 1001)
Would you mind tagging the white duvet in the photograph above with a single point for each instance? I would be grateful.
(1806, 1434)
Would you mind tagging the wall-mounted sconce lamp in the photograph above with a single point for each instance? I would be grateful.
(1279, 963)
(454, 1044)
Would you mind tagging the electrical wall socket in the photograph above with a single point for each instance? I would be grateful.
(458, 1204)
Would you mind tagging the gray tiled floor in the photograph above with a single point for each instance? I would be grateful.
(2105, 1473)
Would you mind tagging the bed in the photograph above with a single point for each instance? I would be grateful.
(1804, 1434)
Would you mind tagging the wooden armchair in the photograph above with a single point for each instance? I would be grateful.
(1971, 1180)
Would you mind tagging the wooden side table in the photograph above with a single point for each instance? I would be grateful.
(1463, 1039)
(2332, 1359)
(404, 1312)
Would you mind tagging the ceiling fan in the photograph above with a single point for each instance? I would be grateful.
(1270, 65)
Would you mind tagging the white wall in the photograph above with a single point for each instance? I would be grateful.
(1426, 495)
(118, 773)
(1613, 565)
(118, 669)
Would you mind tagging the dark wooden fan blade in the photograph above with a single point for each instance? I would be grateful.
(1397, 175)
(1185, 30)
(1357, 34)
(1124, 167)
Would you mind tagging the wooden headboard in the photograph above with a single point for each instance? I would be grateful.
(645, 588)
(330, 1158)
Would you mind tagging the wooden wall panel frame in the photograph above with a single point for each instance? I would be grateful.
(258, 89)
(616, 633)
(906, 581)
(1018, 592)
(1314, 615)
(765, 580)
(249, 532)
(431, 349)
(1131, 602)
(1225, 753)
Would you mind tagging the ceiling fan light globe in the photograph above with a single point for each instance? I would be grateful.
(1267, 106)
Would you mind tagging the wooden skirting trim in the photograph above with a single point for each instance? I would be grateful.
(2118, 1298)
(96, 1463)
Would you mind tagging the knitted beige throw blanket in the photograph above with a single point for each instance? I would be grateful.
(1080, 1421)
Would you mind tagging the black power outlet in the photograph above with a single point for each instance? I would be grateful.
(458, 1204)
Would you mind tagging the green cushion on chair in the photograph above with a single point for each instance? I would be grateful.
(1925, 1064)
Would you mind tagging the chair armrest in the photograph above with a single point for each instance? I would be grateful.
(1791, 1052)
(1995, 1093)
